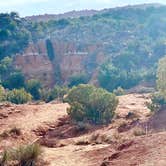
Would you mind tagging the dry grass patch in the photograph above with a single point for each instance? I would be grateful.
(138, 131)
(4, 158)
(25, 155)
(15, 131)
(95, 138)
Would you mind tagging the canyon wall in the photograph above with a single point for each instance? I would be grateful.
(68, 60)
(35, 64)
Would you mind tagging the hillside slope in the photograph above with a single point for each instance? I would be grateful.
(130, 38)
(71, 14)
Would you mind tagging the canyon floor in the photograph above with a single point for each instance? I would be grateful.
(135, 137)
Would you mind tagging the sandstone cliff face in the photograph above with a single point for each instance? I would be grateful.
(71, 65)
(35, 62)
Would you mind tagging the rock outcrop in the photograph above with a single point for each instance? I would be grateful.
(35, 64)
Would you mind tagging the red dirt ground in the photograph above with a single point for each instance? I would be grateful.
(66, 145)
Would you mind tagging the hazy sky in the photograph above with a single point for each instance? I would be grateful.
(34, 7)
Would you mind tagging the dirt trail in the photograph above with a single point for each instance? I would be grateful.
(29, 117)
(133, 103)
(74, 155)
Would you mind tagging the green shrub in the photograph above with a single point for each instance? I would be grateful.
(158, 101)
(10, 77)
(44, 94)
(77, 79)
(2, 94)
(56, 93)
(18, 96)
(14, 35)
(161, 75)
(111, 77)
(139, 131)
(119, 91)
(27, 155)
(77, 111)
(5, 67)
(15, 80)
(91, 104)
(33, 87)
(152, 106)
(50, 49)
(4, 158)
(159, 98)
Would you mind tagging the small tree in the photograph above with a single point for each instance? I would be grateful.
(91, 104)
(2, 94)
(159, 98)
(161, 75)
(50, 49)
(33, 87)
(77, 79)
(18, 96)
(111, 77)
(119, 91)
(5, 65)
(56, 93)
(15, 80)
(24, 155)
